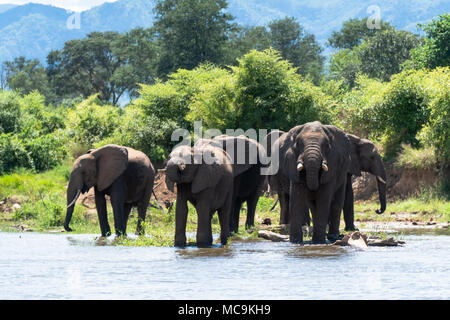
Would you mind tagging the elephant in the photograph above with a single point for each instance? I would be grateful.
(203, 176)
(365, 157)
(125, 174)
(316, 160)
(248, 157)
(279, 182)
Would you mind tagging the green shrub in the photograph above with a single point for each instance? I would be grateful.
(13, 154)
(88, 123)
(142, 132)
(10, 112)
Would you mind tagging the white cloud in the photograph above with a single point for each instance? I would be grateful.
(74, 5)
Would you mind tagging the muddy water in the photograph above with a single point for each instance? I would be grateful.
(62, 266)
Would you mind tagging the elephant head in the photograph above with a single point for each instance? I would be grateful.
(313, 153)
(99, 168)
(196, 165)
(365, 157)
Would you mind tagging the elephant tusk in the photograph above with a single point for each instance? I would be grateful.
(381, 180)
(181, 166)
(74, 199)
(300, 167)
(324, 167)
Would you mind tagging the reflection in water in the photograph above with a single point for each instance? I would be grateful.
(316, 251)
(212, 252)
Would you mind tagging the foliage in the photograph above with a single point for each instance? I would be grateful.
(353, 32)
(10, 112)
(191, 32)
(435, 51)
(143, 132)
(26, 76)
(413, 158)
(89, 123)
(289, 38)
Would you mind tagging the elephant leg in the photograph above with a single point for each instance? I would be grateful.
(204, 232)
(284, 207)
(307, 220)
(181, 214)
(349, 213)
(224, 216)
(142, 208)
(126, 214)
(235, 212)
(100, 204)
(297, 208)
(320, 215)
(251, 210)
(117, 195)
(335, 214)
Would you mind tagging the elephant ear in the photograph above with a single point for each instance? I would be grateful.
(288, 155)
(207, 175)
(338, 158)
(112, 161)
(355, 167)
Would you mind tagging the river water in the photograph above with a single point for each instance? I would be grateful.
(72, 266)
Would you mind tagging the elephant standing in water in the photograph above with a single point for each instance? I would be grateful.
(316, 159)
(204, 177)
(248, 158)
(125, 174)
(365, 157)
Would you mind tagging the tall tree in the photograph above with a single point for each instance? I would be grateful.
(435, 52)
(354, 32)
(289, 38)
(25, 76)
(382, 55)
(191, 32)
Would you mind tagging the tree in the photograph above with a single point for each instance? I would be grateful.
(25, 76)
(435, 52)
(91, 65)
(353, 33)
(191, 32)
(383, 54)
(289, 38)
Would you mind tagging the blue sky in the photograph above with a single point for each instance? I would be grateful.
(74, 5)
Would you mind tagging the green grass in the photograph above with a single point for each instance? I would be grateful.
(412, 158)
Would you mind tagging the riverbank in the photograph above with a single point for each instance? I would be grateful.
(36, 203)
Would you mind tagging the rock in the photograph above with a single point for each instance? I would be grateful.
(272, 236)
(360, 241)
(357, 241)
(390, 242)
(267, 221)
(16, 206)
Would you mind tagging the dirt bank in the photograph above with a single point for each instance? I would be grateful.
(401, 183)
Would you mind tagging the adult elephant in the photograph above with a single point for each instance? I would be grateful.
(204, 177)
(316, 159)
(365, 157)
(125, 174)
(248, 159)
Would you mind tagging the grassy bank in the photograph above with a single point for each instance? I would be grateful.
(42, 206)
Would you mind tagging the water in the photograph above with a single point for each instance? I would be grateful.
(62, 266)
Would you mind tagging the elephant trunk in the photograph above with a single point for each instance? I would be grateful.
(382, 194)
(73, 192)
(312, 163)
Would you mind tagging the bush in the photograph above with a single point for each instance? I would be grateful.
(88, 123)
(142, 132)
(13, 154)
(10, 112)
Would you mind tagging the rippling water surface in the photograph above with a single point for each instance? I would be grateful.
(62, 266)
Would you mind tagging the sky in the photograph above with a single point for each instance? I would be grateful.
(73, 5)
